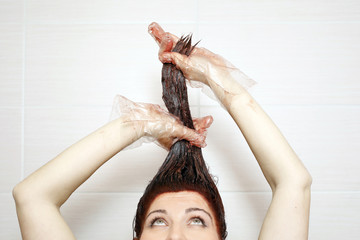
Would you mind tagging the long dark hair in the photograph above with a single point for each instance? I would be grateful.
(184, 168)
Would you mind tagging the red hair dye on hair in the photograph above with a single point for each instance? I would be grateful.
(184, 168)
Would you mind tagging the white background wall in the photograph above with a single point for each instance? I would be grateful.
(63, 61)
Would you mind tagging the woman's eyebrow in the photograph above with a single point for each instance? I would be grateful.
(157, 211)
(198, 209)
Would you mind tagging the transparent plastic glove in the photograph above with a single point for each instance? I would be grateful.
(152, 123)
(202, 67)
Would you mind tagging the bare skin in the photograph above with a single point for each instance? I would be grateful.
(39, 197)
(180, 215)
(288, 178)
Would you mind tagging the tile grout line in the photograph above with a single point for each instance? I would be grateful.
(145, 22)
(22, 174)
(221, 192)
(238, 22)
(191, 105)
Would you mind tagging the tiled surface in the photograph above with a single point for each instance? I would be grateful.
(293, 63)
(63, 65)
(11, 11)
(129, 171)
(327, 154)
(10, 148)
(107, 216)
(278, 10)
(49, 131)
(110, 11)
(62, 62)
(110, 215)
(228, 156)
(335, 215)
(11, 64)
(8, 221)
(61, 127)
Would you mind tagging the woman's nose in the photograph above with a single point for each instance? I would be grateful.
(176, 233)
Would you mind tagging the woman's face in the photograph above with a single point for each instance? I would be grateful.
(179, 215)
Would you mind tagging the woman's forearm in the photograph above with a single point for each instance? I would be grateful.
(39, 197)
(59, 178)
(275, 156)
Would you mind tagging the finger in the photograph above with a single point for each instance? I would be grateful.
(179, 60)
(123, 105)
(166, 44)
(165, 142)
(202, 123)
(216, 59)
(156, 31)
(190, 135)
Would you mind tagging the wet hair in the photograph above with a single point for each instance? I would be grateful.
(184, 168)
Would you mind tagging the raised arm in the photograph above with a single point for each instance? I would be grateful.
(39, 197)
(288, 214)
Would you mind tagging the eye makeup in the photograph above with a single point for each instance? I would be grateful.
(158, 221)
(201, 223)
(196, 217)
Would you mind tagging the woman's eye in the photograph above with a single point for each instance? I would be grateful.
(158, 222)
(197, 221)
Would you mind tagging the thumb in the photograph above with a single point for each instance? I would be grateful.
(195, 138)
(179, 60)
(201, 124)
(166, 44)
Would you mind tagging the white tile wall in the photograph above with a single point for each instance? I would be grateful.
(62, 62)
(278, 10)
(292, 61)
(8, 219)
(10, 148)
(11, 11)
(11, 64)
(319, 134)
(110, 11)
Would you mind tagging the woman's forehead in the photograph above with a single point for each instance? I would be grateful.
(179, 200)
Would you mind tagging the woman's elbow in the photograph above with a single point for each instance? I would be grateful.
(23, 194)
(18, 193)
(308, 180)
(301, 180)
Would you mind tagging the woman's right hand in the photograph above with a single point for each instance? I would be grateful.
(150, 120)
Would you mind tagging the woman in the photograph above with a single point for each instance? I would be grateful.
(184, 214)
